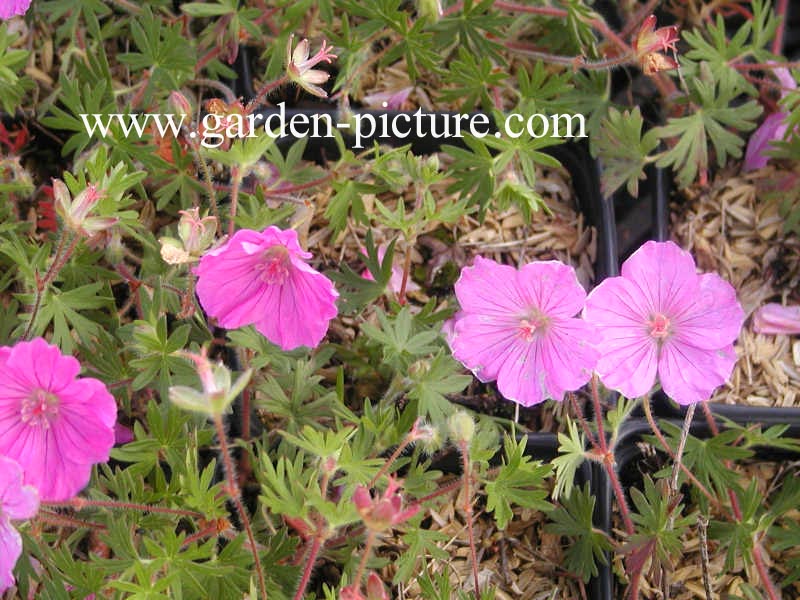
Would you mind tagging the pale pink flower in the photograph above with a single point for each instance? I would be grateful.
(299, 66)
(519, 327)
(775, 318)
(17, 501)
(11, 8)
(54, 424)
(772, 129)
(396, 280)
(76, 212)
(661, 317)
(263, 279)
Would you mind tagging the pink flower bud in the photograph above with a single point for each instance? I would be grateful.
(375, 588)
(180, 104)
(775, 318)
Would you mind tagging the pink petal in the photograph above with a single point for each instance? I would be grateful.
(552, 287)
(299, 311)
(484, 343)
(773, 128)
(10, 549)
(490, 289)
(10, 8)
(689, 374)
(17, 501)
(122, 434)
(628, 362)
(714, 318)
(665, 276)
(774, 318)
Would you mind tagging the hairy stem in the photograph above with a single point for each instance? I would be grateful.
(466, 477)
(236, 177)
(308, 567)
(79, 503)
(262, 93)
(236, 497)
(676, 467)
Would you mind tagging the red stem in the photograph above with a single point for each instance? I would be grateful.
(309, 566)
(780, 11)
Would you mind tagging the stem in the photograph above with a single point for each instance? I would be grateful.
(401, 297)
(395, 455)
(54, 518)
(235, 495)
(237, 182)
(289, 189)
(209, 183)
(265, 89)
(308, 568)
(763, 573)
(687, 423)
(619, 493)
(702, 525)
(586, 430)
(79, 503)
(58, 263)
(598, 415)
(362, 564)
(648, 413)
(467, 475)
(575, 62)
(780, 12)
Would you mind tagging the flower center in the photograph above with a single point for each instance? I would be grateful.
(275, 265)
(528, 328)
(40, 409)
(659, 327)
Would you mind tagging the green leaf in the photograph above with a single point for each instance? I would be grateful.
(571, 455)
(623, 150)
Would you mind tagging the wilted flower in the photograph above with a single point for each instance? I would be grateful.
(54, 424)
(772, 129)
(196, 233)
(218, 390)
(263, 279)
(299, 66)
(75, 212)
(17, 501)
(661, 317)
(650, 42)
(383, 512)
(775, 318)
(519, 327)
(11, 8)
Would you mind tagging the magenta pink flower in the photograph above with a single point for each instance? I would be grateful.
(53, 424)
(11, 8)
(661, 317)
(519, 327)
(17, 501)
(262, 279)
(775, 318)
(772, 129)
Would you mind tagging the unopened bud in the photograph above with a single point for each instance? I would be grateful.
(462, 427)
(375, 588)
(180, 104)
(430, 9)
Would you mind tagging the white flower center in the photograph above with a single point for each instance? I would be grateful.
(529, 328)
(275, 265)
(40, 409)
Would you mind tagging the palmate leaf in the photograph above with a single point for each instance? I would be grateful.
(571, 455)
(710, 121)
(574, 520)
(623, 150)
(519, 481)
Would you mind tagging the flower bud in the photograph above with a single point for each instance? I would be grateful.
(375, 588)
(75, 212)
(430, 9)
(218, 393)
(462, 427)
(775, 318)
(196, 233)
(180, 104)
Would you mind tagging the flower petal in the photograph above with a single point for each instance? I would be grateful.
(490, 289)
(552, 287)
(689, 374)
(10, 549)
(17, 501)
(714, 317)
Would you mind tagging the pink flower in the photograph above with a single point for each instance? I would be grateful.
(383, 512)
(17, 501)
(299, 66)
(648, 44)
(262, 279)
(772, 129)
(396, 280)
(53, 424)
(11, 8)
(518, 327)
(661, 317)
(775, 318)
